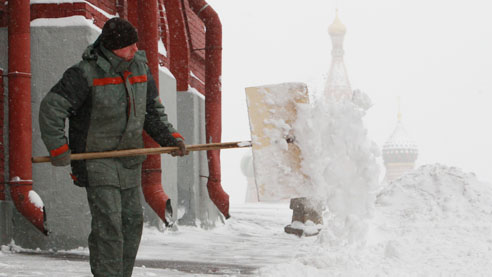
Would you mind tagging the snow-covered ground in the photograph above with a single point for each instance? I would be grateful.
(435, 221)
(252, 238)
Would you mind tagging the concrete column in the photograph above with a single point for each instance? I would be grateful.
(194, 204)
(5, 222)
(65, 204)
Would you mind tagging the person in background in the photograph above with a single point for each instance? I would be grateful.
(109, 98)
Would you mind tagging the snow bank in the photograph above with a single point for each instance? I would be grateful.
(436, 192)
(434, 221)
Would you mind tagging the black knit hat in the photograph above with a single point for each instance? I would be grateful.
(118, 33)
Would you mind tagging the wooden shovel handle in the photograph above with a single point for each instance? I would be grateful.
(148, 151)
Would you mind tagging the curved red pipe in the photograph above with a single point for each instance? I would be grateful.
(213, 116)
(151, 169)
(20, 126)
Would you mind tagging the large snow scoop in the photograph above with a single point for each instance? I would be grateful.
(148, 151)
(272, 113)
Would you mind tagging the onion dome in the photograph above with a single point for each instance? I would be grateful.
(400, 148)
(337, 27)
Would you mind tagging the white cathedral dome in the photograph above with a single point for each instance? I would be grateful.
(337, 27)
(400, 148)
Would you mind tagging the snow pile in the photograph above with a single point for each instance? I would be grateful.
(434, 221)
(436, 192)
(340, 161)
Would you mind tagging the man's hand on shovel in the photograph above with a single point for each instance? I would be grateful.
(181, 151)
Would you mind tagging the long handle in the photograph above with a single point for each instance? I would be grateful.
(148, 151)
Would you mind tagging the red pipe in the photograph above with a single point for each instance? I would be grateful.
(121, 8)
(132, 11)
(2, 149)
(163, 23)
(20, 126)
(213, 71)
(151, 169)
(179, 50)
(149, 34)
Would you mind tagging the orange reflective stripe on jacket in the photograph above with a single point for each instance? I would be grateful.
(118, 80)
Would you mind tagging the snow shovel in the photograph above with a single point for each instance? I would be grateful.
(148, 151)
(272, 111)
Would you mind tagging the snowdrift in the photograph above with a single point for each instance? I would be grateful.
(437, 192)
(434, 221)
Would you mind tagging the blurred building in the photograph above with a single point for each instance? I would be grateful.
(399, 152)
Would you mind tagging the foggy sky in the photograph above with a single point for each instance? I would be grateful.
(434, 55)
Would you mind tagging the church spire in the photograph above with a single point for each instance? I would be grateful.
(337, 26)
(399, 110)
(337, 84)
(400, 151)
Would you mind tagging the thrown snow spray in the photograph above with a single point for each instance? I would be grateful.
(337, 154)
(340, 161)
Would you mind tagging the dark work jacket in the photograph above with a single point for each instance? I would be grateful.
(109, 102)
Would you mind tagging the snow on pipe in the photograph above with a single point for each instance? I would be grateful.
(27, 202)
(151, 169)
(213, 112)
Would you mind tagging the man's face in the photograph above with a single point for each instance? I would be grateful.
(126, 53)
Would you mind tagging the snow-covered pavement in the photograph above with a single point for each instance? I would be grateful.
(252, 238)
(435, 221)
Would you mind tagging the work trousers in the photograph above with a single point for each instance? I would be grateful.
(117, 222)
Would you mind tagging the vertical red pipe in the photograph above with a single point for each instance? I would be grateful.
(179, 50)
(2, 148)
(213, 71)
(132, 11)
(20, 125)
(121, 8)
(164, 36)
(149, 34)
(151, 168)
